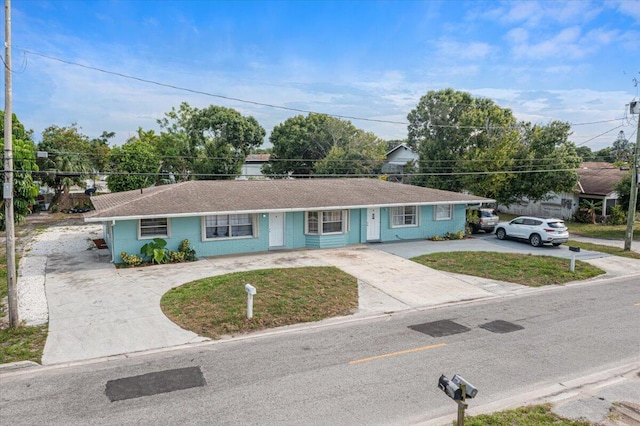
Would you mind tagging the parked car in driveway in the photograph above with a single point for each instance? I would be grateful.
(536, 230)
(486, 220)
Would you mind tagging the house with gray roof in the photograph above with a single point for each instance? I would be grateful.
(246, 216)
(596, 182)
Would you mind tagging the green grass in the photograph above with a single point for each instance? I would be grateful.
(527, 269)
(607, 232)
(22, 343)
(216, 306)
(615, 251)
(533, 415)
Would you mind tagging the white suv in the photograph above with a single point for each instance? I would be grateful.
(536, 230)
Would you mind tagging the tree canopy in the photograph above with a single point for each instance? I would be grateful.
(25, 190)
(135, 164)
(321, 144)
(208, 143)
(470, 143)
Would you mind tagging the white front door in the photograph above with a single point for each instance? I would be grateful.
(276, 229)
(373, 224)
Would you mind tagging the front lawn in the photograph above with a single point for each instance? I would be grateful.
(527, 269)
(532, 415)
(216, 306)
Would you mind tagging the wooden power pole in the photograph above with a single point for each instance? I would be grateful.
(634, 108)
(7, 190)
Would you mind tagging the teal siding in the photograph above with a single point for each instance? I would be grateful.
(125, 233)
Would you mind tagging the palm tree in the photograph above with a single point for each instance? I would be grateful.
(63, 171)
(591, 209)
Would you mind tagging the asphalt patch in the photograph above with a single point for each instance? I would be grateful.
(440, 328)
(154, 383)
(501, 327)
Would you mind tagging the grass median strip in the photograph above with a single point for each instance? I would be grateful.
(529, 415)
(615, 251)
(216, 306)
(526, 269)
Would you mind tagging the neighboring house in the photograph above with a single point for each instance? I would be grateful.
(596, 182)
(252, 167)
(238, 216)
(397, 158)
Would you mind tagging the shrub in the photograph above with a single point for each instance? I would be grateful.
(437, 238)
(618, 216)
(155, 251)
(187, 250)
(175, 256)
(131, 259)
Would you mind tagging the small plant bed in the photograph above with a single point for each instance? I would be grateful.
(155, 252)
(217, 306)
(615, 251)
(532, 415)
(448, 236)
(527, 269)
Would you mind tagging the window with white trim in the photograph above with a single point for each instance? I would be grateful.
(326, 222)
(443, 212)
(228, 226)
(404, 216)
(153, 228)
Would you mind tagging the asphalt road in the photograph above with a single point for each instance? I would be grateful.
(375, 371)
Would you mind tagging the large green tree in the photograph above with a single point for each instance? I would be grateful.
(547, 163)
(472, 144)
(455, 133)
(208, 143)
(68, 161)
(135, 164)
(361, 153)
(319, 143)
(25, 190)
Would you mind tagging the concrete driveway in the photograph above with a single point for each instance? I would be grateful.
(95, 310)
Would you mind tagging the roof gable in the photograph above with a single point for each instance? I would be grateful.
(598, 178)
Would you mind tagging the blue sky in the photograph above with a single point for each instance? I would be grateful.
(573, 61)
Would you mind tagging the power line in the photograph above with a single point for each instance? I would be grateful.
(230, 98)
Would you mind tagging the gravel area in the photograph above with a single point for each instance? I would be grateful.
(32, 300)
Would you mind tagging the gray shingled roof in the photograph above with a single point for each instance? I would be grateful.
(230, 196)
(598, 178)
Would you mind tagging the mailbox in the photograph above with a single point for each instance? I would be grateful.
(451, 389)
(573, 248)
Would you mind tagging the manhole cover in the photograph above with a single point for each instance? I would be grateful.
(154, 383)
(500, 326)
(440, 328)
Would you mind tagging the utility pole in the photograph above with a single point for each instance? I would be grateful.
(634, 108)
(8, 173)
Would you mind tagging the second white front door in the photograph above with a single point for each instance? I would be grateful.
(276, 229)
(373, 224)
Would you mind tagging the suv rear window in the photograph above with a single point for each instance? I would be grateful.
(556, 224)
(484, 213)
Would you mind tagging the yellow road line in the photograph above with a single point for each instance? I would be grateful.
(637, 304)
(408, 351)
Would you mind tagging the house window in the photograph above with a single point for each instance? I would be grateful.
(327, 222)
(228, 226)
(404, 216)
(443, 212)
(153, 228)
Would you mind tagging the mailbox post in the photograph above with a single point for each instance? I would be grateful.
(574, 250)
(459, 390)
(251, 290)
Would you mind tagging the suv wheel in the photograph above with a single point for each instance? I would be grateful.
(501, 234)
(535, 240)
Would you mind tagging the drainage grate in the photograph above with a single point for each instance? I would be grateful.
(440, 328)
(501, 327)
(154, 383)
